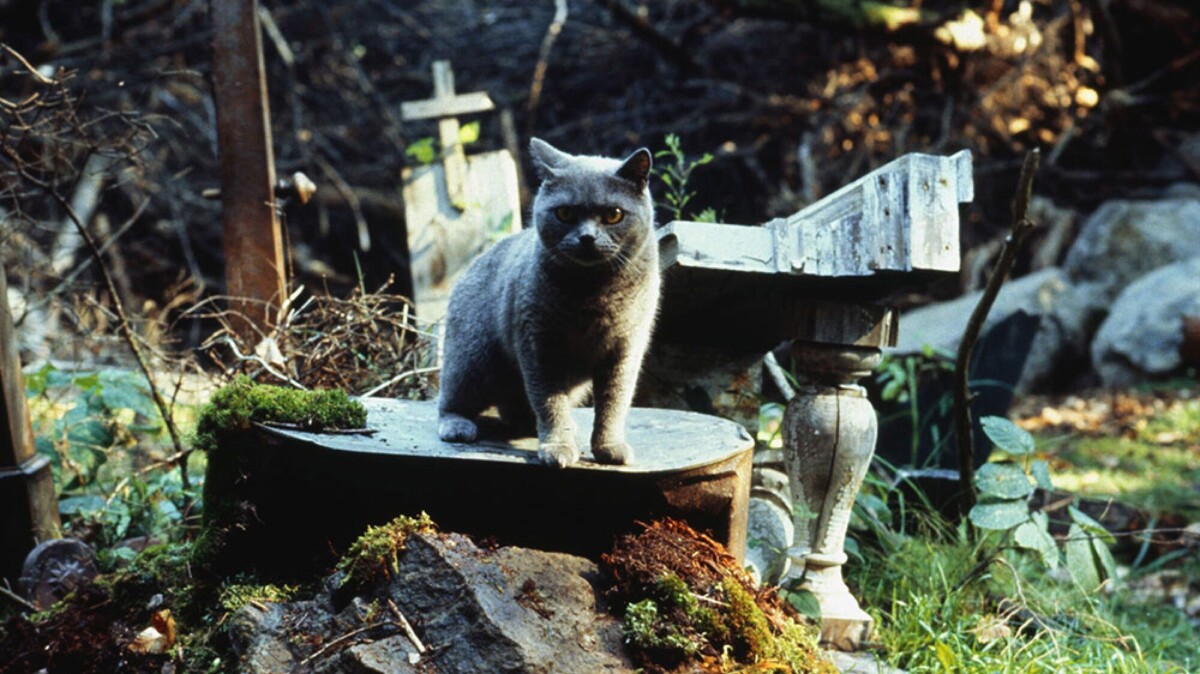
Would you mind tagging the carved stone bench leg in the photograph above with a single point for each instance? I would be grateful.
(829, 431)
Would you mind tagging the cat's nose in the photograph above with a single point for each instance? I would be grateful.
(587, 241)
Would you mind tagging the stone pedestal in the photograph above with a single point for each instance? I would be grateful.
(829, 431)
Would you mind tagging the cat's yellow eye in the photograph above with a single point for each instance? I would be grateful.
(612, 216)
(565, 214)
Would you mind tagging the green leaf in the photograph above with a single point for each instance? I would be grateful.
(805, 602)
(946, 656)
(1041, 474)
(1033, 535)
(1003, 480)
(88, 383)
(1104, 558)
(1080, 560)
(421, 151)
(126, 390)
(850, 547)
(37, 381)
(81, 505)
(468, 133)
(89, 433)
(999, 516)
(1007, 436)
(1090, 525)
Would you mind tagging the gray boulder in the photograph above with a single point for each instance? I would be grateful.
(1140, 339)
(504, 610)
(1059, 349)
(1124, 240)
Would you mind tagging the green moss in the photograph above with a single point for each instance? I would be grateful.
(645, 629)
(373, 556)
(242, 403)
(159, 569)
(672, 626)
(235, 408)
(237, 595)
(749, 631)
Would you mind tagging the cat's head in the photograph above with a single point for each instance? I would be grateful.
(592, 211)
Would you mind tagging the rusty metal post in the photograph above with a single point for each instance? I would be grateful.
(254, 264)
(27, 503)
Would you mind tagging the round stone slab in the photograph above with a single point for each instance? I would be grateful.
(300, 499)
(662, 440)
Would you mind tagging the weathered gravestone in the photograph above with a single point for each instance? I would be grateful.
(813, 280)
(456, 206)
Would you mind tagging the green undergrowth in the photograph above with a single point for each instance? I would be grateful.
(374, 556)
(688, 606)
(937, 611)
(672, 626)
(1158, 477)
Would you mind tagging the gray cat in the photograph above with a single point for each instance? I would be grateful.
(558, 309)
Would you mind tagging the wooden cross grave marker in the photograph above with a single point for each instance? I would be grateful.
(453, 209)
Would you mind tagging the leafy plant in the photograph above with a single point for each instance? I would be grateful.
(675, 175)
(1005, 488)
(96, 428)
(424, 150)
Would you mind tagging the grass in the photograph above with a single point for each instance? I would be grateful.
(1156, 468)
(1015, 617)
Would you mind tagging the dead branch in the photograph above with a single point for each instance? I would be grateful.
(1021, 228)
(539, 71)
(126, 329)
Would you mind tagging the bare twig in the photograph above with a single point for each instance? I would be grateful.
(399, 378)
(539, 71)
(126, 329)
(343, 639)
(17, 599)
(404, 625)
(1021, 227)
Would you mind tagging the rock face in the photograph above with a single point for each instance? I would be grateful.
(1142, 336)
(508, 610)
(1124, 240)
(1059, 349)
(475, 610)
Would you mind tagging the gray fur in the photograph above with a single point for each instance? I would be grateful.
(558, 310)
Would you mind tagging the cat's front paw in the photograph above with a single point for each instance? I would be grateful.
(558, 454)
(454, 428)
(616, 453)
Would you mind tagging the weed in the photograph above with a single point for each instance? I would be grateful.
(675, 176)
(373, 556)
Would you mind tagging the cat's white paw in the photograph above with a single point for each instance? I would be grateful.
(558, 454)
(616, 453)
(453, 428)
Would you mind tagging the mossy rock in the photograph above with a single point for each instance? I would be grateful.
(233, 410)
(374, 556)
(701, 612)
(242, 403)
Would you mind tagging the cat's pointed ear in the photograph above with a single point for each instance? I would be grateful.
(636, 168)
(547, 159)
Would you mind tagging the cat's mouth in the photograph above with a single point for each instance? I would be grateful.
(584, 256)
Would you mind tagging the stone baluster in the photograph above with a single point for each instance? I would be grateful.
(829, 431)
